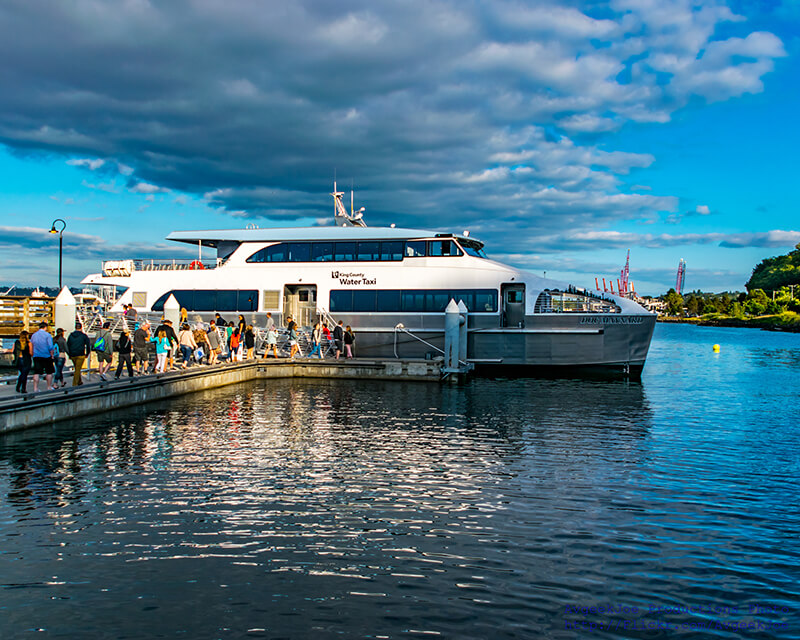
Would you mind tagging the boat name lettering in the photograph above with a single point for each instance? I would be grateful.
(613, 320)
(353, 278)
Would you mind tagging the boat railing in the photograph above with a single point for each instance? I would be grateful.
(127, 267)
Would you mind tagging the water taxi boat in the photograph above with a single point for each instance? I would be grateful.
(392, 286)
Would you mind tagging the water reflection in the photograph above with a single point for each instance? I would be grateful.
(312, 508)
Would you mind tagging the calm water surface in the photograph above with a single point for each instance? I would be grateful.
(499, 509)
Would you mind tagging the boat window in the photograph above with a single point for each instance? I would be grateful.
(485, 300)
(473, 248)
(300, 252)
(204, 300)
(345, 252)
(436, 300)
(416, 249)
(514, 296)
(388, 300)
(341, 301)
(275, 253)
(322, 252)
(211, 300)
(468, 297)
(443, 248)
(392, 250)
(226, 300)
(364, 300)
(369, 251)
(412, 300)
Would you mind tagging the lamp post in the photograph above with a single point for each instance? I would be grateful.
(60, 233)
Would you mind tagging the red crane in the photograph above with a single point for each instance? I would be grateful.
(681, 276)
(623, 282)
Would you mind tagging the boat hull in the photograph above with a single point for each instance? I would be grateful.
(549, 343)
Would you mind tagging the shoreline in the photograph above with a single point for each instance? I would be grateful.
(761, 322)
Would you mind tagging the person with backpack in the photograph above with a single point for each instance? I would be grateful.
(124, 347)
(78, 348)
(103, 348)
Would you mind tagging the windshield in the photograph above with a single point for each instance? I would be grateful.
(473, 247)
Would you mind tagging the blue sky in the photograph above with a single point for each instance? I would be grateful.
(561, 133)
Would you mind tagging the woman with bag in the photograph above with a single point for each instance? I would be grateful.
(23, 360)
(250, 342)
(187, 344)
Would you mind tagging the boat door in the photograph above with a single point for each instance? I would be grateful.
(300, 302)
(513, 305)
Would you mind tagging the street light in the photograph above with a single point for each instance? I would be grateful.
(60, 244)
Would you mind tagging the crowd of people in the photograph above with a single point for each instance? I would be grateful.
(194, 343)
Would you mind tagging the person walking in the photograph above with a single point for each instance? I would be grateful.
(187, 344)
(293, 346)
(166, 327)
(184, 317)
(327, 340)
(316, 340)
(272, 337)
(123, 347)
(78, 348)
(163, 347)
(338, 338)
(104, 349)
(23, 360)
(214, 345)
(60, 358)
(141, 354)
(349, 341)
(250, 342)
(235, 345)
(43, 351)
(203, 346)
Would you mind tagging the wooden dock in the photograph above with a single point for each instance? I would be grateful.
(21, 411)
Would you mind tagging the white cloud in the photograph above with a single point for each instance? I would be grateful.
(703, 209)
(91, 164)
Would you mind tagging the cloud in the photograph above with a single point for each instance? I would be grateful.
(144, 187)
(703, 209)
(88, 163)
(493, 116)
(621, 240)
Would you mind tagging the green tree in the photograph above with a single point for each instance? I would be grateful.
(773, 273)
(674, 303)
(692, 305)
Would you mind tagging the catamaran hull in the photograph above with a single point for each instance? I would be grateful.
(550, 343)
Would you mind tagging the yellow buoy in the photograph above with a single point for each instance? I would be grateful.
(716, 348)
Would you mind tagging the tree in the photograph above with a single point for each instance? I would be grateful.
(674, 303)
(692, 306)
(773, 273)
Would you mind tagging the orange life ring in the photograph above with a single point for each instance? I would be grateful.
(196, 264)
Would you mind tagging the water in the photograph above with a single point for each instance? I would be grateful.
(500, 509)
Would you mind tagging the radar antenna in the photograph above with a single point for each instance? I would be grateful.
(340, 215)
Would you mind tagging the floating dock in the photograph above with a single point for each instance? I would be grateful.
(21, 411)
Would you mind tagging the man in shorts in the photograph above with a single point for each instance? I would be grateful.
(141, 345)
(103, 348)
(43, 353)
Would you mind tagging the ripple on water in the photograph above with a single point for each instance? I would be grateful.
(313, 508)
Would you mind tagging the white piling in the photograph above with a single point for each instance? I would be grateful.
(462, 331)
(65, 312)
(172, 312)
(451, 330)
